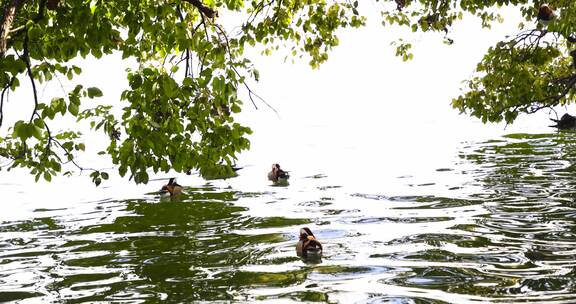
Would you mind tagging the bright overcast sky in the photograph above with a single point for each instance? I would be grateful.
(364, 108)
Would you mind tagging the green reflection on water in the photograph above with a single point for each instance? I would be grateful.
(514, 240)
(188, 250)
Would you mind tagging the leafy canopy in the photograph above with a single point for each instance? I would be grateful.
(178, 111)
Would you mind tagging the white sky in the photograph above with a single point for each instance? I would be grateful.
(363, 110)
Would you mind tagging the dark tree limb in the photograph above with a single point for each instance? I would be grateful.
(41, 11)
(203, 22)
(8, 16)
(4, 96)
(206, 11)
(6, 30)
(26, 58)
(550, 101)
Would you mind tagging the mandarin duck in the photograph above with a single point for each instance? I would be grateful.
(277, 175)
(308, 245)
(172, 187)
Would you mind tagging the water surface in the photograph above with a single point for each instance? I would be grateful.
(496, 224)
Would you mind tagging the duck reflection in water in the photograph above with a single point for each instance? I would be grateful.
(173, 189)
(278, 176)
(308, 247)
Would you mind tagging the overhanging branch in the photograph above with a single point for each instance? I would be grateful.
(251, 93)
(569, 83)
(3, 96)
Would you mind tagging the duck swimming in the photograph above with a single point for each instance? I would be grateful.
(566, 122)
(172, 187)
(308, 245)
(277, 175)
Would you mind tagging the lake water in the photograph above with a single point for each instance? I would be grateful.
(413, 204)
(493, 221)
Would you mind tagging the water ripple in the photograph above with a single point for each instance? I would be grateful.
(503, 230)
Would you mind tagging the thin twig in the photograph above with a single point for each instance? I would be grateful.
(259, 8)
(250, 92)
(5, 95)
(68, 153)
(207, 40)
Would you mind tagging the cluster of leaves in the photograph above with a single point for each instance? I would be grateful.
(531, 71)
(518, 80)
(178, 111)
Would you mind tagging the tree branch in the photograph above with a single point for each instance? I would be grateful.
(250, 92)
(5, 31)
(6, 24)
(203, 22)
(550, 101)
(26, 58)
(206, 11)
(71, 158)
(257, 10)
(2, 97)
(21, 29)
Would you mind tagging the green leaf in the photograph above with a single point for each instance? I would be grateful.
(73, 109)
(187, 81)
(34, 32)
(94, 92)
(135, 81)
(56, 166)
(36, 132)
(24, 130)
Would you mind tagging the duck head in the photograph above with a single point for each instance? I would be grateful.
(308, 246)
